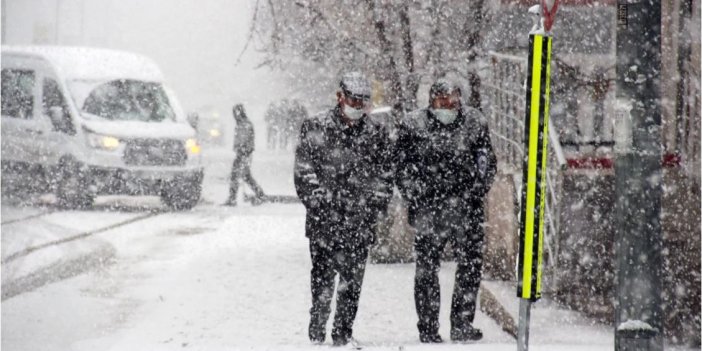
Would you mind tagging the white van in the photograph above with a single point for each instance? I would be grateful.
(95, 121)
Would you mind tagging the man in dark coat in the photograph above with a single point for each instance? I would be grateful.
(344, 179)
(244, 147)
(445, 167)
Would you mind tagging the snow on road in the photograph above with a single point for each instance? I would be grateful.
(214, 278)
(220, 278)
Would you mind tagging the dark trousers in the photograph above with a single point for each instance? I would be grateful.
(348, 259)
(463, 227)
(241, 169)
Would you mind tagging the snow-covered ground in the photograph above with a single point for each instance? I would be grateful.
(214, 278)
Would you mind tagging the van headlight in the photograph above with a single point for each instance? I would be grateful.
(104, 142)
(192, 146)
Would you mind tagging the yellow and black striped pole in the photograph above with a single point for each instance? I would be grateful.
(533, 197)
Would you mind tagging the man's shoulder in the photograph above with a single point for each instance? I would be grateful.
(375, 125)
(319, 119)
(474, 118)
(415, 120)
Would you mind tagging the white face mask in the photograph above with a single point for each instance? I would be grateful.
(445, 116)
(352, 113)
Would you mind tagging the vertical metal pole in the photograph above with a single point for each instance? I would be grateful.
(533, 197)
(57, 22)
(3, 31)
(82, 23)
(638, 239)
(523, 331)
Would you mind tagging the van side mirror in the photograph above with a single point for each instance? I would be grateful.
(56, 116)
(59, 121)
(193, 120)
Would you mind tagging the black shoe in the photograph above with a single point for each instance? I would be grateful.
(340, 340)
(430, 338)
(341, 336)
(467, 333)
(230, 202)
(316, 335)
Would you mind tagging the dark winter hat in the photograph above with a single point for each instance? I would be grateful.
(443, 86)
(239, 111)
(355, 85)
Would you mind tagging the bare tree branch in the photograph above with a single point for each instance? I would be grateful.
(391, 72)
(411, 81)
(251, 33)
(339, 33)
(275, 37)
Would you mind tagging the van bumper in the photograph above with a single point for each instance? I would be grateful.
(140, 181)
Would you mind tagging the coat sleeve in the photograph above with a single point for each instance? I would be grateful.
(485, 161)
(382, 187)
(404, 159)
(307, 184)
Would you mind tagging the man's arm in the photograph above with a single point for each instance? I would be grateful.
(307, 184)
(382, 186)
(405, 168)
(485, 162)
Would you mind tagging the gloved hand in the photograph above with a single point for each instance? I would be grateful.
(476, 192)
(378, 195)
(344, 201)
(320, 196)
(362, 219)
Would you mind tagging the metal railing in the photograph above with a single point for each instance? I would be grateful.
(505, 88)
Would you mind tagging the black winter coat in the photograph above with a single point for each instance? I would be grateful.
(437, 162)
(343, 174)
(244, 138)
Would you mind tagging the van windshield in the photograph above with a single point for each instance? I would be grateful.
(123, 99)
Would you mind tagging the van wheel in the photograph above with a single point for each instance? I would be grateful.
(182, 193)
(73, 187)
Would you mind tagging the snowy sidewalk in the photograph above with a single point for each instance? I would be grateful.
(552, 324)
(222, 278)
(230, 279)
(238, 279)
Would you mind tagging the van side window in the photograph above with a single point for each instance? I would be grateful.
(17, 94)
(52, 97)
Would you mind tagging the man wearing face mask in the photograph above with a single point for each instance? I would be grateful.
(445, 167)
(343, 177)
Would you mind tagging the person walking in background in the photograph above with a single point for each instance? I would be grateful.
(272, 119)
(297, 114)
(445, 167)
(241, 168)
(343, 177)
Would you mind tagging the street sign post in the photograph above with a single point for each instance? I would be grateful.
(533, 197)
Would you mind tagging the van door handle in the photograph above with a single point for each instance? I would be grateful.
(34, 131)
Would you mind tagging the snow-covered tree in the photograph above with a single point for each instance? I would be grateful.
(402, 45)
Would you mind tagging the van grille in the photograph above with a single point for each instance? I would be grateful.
(155, 152)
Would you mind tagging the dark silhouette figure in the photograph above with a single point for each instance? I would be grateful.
(244, 147)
